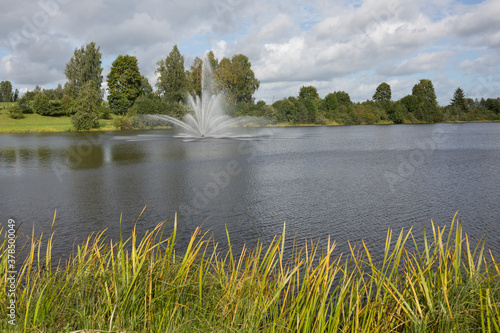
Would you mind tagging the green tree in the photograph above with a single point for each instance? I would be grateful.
(425, 91)
(309, 97)
(236, 77)
(330, 105)
(459, 100)
(309, 92)
(172, 81)
(194, 76)
(382, 93)
(6, 91)
(214, 62)
(86, 108)
(84, 66)
(343, 98)
(146, 88)
(285, 110)
(67, 104)
(41, 104)
(24, 104)
(245, 82)
(124, 83)
(396, 113)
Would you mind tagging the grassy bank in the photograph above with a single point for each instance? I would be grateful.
(144, 285)
(35, 123)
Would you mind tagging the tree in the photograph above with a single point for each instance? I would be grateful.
(146, 88)
(84, 66)
(172, 81)
(285, 110)
(214, 62)
(343, 98)
(236, 77)
(425, 90)
(86, 107)
(396, 113)
(330, 104)
(458, 100)
(382, 93)
(309, 92)
(246, 84)
(309, 97)
(6, 91)
(124, 83)
(41, 104)
(194, 76)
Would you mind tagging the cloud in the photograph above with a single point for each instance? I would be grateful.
(423, 62)
(335, 45)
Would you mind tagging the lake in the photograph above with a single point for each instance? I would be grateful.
(350, 182)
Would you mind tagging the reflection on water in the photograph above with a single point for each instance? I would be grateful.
(351, 182)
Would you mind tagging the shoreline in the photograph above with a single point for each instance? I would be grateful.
(108, 128)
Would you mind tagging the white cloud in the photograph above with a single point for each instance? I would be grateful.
(423, 62)
(335, 45)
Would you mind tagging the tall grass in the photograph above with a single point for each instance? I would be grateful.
(145, 285)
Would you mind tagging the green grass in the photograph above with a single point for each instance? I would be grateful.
(35, 123)
(146, 285)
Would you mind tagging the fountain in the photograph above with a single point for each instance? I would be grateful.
(207, 117)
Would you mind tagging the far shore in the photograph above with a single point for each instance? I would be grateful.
(34, 123)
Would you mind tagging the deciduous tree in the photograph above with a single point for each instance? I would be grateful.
(124, 83)
(382, 93)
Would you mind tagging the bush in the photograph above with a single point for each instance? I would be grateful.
(24, 104)
(122, 123)
(85, 120)
(16, 112)
(41, 104)
(104, 112)
(56, 109)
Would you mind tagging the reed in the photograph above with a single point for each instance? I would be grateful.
(448, 284)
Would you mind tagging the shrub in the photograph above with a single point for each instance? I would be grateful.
(122, 123)
(56, 109)
(41, 104)
(24, 104)
(16, 112)
(85, 120)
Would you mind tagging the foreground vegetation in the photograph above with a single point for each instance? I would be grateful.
(146, 285)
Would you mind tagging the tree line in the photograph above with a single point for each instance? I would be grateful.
(129, 94)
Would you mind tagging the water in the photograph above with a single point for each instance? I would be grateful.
(350, 182)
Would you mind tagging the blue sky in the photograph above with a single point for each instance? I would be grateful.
(334, 45)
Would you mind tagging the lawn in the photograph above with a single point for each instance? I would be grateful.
(37, 123)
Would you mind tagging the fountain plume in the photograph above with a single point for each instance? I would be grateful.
(206, 116)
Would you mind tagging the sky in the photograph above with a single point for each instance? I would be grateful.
(333, 45)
